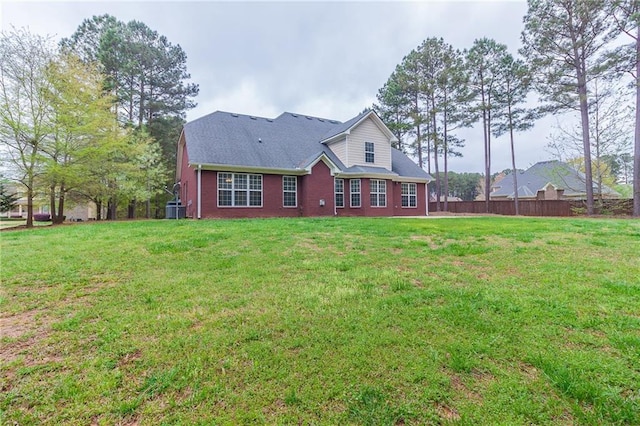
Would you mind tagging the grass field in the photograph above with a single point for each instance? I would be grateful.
(322, 321)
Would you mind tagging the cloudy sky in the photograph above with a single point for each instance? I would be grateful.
(325, 59)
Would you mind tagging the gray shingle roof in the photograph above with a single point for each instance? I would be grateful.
(289, 142)
(559, 174)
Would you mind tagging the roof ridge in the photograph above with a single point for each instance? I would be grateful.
(296, 114)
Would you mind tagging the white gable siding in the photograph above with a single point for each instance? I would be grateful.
(367, 131)
(339, 148)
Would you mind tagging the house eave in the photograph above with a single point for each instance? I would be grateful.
(249, 169)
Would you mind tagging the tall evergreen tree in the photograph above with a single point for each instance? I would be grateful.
(564, 40)
(146, 73)
(394, 105)
(481, 63)
(510, 93)
(627, 16)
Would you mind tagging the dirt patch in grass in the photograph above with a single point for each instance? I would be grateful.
(24, 331)
(447, 413)
(16, 326)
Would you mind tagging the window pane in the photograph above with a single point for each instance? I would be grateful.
(405, 201)
(255, 198)
(240, 198)
(374, 200)
(339, 185)
(224, 180)
(339, 200)
(289, 183)
(382, 200)
(224, 198)
(239, 181)
(355, 185)
(355, 200)
(382, 186)
(289, 199)
(255, 182)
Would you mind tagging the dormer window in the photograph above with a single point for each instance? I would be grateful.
(369, 155)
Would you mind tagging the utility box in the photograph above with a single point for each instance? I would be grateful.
(174, 207)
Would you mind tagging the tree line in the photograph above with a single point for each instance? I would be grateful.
(574, 53)
(95, 117)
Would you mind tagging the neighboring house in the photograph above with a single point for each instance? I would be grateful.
(234, 165)
(20, 211)
(81, 212)
(547, 180)
(74, 212)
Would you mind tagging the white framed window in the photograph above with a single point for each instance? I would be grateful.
(239, 190)
(369, 154)
(355, 192)
(409, 195)
(339, 192)
(290, 191)
(378, 193)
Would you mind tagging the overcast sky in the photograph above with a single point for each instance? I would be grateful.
(325, 59)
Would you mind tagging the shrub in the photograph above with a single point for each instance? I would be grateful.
(41, 217)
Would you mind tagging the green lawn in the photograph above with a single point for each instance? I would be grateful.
(322, 321)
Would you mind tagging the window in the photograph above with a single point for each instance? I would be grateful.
(289, 191)
(378, 193)
(369, 155)
(239, 190)
(339, 190)
(409, 195)
(355, 192)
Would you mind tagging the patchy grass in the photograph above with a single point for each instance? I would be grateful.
(323, 321)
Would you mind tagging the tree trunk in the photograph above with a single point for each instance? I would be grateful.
(636, 153)
(513, 164)
(98, 210)
(586, 145)
(131, 210)
(435, 153)
(52, 202)
(445, 148)
(60, 214)
(487, 167)
(29, 207)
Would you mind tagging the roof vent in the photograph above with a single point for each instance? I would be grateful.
(269, 120)
(309, 118)
(252, 117)
(334, 121)
(294, 115)
(259, 140)
(234, 115)
(321, 119)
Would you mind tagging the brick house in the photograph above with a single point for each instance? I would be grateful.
(234, 165)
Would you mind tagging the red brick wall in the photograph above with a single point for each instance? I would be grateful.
(188, 185)
(394, 201)
(271, 199)
(315, 187)
(311, 189)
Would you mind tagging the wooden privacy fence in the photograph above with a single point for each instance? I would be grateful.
(536, 207)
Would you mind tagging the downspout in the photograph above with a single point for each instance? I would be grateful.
(199, 190)
(426, 198)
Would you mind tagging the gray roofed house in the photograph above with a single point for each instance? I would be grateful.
(232, 165)
(547, 180)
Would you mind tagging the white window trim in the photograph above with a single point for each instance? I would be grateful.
(372, 152)
(352, 192)
(335, 193)
(378, 206)
(410, 196)
(295, 192)
(233, 190)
